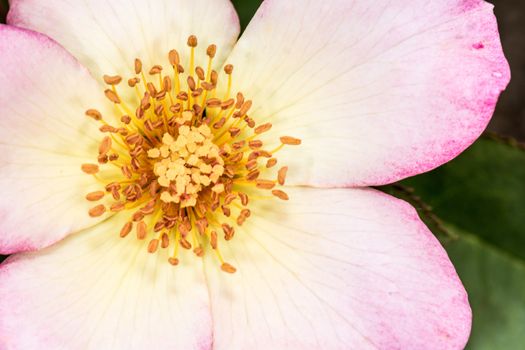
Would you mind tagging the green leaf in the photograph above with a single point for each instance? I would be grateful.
(3, 10)
(483, 192)
(480, 196)
(246, 9)
(495, 282)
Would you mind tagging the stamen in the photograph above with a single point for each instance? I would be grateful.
(228, 268)
(112, 80)
(265, 184)
(280, 194)
(173, 261)
(192, 41)
(97, 211)
(126, 229)
(95, 196)
(263, 128)
(182, 157)
(112, 96)
(93, 113)
(142, 230)
(288, 140)
(138, 66)
(105, 145)
(228, 69)
(281, 175)
(153, 246)
(271, 162)
(165, 241)
(90, 168)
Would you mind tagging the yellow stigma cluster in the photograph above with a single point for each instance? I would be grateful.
(187, 164)
(182, 161)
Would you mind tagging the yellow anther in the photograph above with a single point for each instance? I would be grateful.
(97, 211)
(138, 66)
(112, 80)
(90, 168)
(192, 41)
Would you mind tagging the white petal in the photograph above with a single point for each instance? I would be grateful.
(337, 269)
(377, 90)
(45, 137)
(94, 290)
(107, 35)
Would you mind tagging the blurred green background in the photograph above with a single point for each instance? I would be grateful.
(476, 203)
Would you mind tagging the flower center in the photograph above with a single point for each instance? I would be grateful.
(187, 165)
(181, 160)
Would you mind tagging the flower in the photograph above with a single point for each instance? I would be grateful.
(359, 93)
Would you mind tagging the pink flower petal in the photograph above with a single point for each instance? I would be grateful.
(94, 290)
(337, 269)
(377, 90)
(107, 36)
(45, 137)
